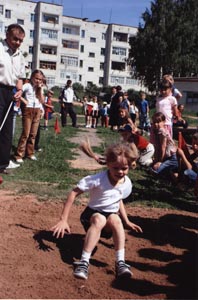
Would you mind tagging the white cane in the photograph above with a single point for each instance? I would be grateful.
(6, 115)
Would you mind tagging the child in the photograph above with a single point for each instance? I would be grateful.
(124, 103)
(190, 163)
(144, 120)
(105, 211)
(124, 118)
(167, 104)
(95, 112)
(133, 111)
(104, 115)
(88, 113)
(146, 149)
(165, 158)
(30, 116)
(175, 92)
(178, 120)
(49, 108)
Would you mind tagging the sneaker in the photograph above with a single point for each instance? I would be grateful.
(81, 269)
(39, 150)
(19, 160)
(123, 270)
(32, 157)
(12, 165)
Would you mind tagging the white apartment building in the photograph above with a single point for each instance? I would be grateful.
(65, 47)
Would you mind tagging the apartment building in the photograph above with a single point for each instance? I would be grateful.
(65, 47)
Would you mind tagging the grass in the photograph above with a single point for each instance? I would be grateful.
(51, 177)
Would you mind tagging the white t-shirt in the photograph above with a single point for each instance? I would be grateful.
(103, 196)
(33, 101)
(165, 105)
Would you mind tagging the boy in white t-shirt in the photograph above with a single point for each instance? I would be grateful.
(105, 211)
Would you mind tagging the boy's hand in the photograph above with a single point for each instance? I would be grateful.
(133, 226)
(60, 228)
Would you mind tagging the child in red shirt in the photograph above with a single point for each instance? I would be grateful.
(145, 148)
(49, 108)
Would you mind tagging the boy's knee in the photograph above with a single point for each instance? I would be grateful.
(98, 220)
(114, 221)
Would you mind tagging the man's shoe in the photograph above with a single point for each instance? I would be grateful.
(81, 269)
(12, 165)
(19, 160)
(123, 270)
(32, 157)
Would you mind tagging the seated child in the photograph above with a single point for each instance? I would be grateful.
(178, 120)
(190, 164)
(145, 148)
(165, 158)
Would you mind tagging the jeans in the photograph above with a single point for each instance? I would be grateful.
(170, 164)
(30, 123)
(192, 175)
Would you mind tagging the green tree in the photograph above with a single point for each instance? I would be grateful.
(167, 42)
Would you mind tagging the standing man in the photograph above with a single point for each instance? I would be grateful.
(12, 70)
(66, 100)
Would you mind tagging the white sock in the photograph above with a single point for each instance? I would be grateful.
(120, 255)
(85, 256)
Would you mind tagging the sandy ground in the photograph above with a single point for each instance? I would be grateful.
(35, 265)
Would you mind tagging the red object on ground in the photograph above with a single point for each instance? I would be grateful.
(56, 126)
(1, 180)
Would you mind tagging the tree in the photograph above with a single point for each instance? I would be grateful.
(167, 42)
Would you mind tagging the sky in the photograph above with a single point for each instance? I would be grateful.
(124, 12)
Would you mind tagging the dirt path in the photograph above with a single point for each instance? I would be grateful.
(82, 161)
(34, 265)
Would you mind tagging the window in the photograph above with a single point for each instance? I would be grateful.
(50, 19)
(47, 65)
(48, 50)
(79, 77)
(67, 29)
(102, 51)
(20, 21)
(82, 48)
(81, 63)
(117, 80)
(131, 81)
(121, 37)
(82, 33)
(119, 51)
(1, 27)
(49, 34)
(69, 61)
(115, 65)
(191, 97)
(103, 36)
(92, 40)
(30, 65)
(31, 49)
(90, 69)
(1, 9)
(50, 80)
(91, 54)
(32, 34)
(70, 44)
(101, 79)
(8, 14)
(101, 66)
(32, 18)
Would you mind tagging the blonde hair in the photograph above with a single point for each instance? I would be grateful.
(115, 150)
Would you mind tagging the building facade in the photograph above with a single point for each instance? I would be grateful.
(65, 47)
